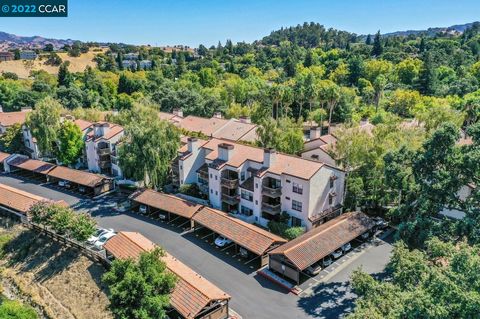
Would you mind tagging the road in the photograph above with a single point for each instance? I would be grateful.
(252, 295)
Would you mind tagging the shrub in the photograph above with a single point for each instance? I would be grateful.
(82, 227)
(11, 309)
(282, 229)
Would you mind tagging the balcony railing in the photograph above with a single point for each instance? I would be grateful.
(105, 164)
(103, 151)
(329, 212)
(231, 199)
(175, 168)
(229, 183)
(203, 175)
(271, 191)
(272, 209)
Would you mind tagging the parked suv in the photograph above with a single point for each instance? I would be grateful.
(314, 269)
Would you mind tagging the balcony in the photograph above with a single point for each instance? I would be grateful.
(229, 183)
(231, 199)
(103, 151)
(326, 214)
(272, 209)
(273, 192)
(203, 175)
(175, 167)
(105, 164)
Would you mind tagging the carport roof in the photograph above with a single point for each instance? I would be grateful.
(192, 292)
(32, 165)
(3, 156)
(75, 176)
(317, 243)
(168, 203)
(251, 237)
(19, 200)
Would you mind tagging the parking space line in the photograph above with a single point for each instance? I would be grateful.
(184, 223)
(228, 246)
(209, 234)
(251, 260)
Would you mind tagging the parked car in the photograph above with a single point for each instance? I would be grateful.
(82, 189)
(380, 223)
(346, 247)
(98, 233)
(327, 261)
(142, 209)
(102, 240)
(365, 235)
(162, 216)
(222, 241)
(62, 183)
(314, 269)
(337, 253)
(244, 253)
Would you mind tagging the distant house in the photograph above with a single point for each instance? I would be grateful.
(28, 55)
(130, 56)
(8, 119)
(6, 56)
(129, 64)
(145, 64)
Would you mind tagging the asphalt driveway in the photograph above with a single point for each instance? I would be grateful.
(252, 295)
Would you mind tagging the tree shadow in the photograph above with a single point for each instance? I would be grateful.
(332, 300)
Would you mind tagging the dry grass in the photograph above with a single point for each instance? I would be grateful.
(62, 282)
(23, 68)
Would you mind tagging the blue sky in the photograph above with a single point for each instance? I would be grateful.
(191, 22)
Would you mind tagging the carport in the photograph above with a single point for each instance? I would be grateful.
(158, 203)
(3, 157)
(291, 259)
(19, 202)
(193, 297)
(84, 182)
(250, 237)
(30, 168)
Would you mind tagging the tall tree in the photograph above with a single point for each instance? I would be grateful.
(70, 143)
(427, 82)
(44, 123)
(150, 147)
(377, 49)
(65, 78)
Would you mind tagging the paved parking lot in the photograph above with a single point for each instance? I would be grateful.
(252, 295)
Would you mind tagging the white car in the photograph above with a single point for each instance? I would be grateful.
(222, 241)
(346, 247)
(63, 183)
(327, 261)
(365, 235)
(337, 253)
(314, 269)
(98, 233)
(102, 240)
(142, 209)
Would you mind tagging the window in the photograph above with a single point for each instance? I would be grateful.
(288, 181)
(256, 202)
(216, 192)
(216, 177)
(211, 191)
(246, 211)
(330, 199)
(211, 176)
(242, 176)
(297, 188)
(247, 195)
(296, 222)
(296, 205)
(332, 182)
(256, 185)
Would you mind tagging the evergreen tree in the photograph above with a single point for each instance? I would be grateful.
(290, 67)
(422, 45)
(377, 45)
(308, 59)
(369, 40)
(65, 78)
(120, 60)
(427, 80)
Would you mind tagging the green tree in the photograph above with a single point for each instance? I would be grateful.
(427, 82)
(12, 140)
(82, 227)
(149, 148)
(70, 142)
(377, 49)
(12, 309)
(65, 78)
(140, 289)
(44, 123)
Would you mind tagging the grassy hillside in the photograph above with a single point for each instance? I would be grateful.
(22, 68)
(58, 281)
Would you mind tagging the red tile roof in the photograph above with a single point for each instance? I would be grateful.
(113, 130)
(76, 176)
(234, 130)
(319, 242)
(83, 125)
(249, 236)
(19, 200)
(3, 156)
(206, 126)
(166, 202)
(283, 164)
(10, 118)
(192, 292)
(31, 165)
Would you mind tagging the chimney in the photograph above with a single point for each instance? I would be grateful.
(225, 151)
(100, 129)
(245, 119)
(315, 132)
(269, 157)
(178, 112)
(192, 143)
(217, 115)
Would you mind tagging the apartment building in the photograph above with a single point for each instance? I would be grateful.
(257, 184)
(101, 145)
(8, 119)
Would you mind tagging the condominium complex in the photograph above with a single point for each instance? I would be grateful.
(257, 184)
